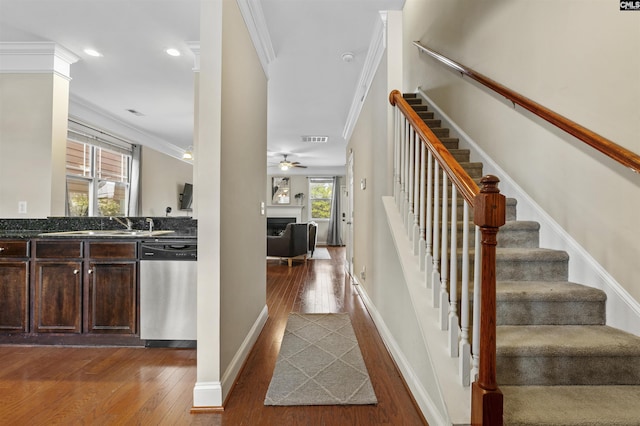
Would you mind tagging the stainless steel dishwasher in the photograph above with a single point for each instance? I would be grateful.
(168, 287)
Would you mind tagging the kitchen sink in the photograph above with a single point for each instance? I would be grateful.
(106, 233)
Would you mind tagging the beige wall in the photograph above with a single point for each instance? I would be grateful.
(230, 173)
(552, 53)
(244, 142)
(162, 180)
(374, 248)
(33, 110)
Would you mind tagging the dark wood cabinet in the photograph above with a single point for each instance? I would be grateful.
(111, 288)
(14, 286)
(57, 304)
(57, 287)
(86, 287)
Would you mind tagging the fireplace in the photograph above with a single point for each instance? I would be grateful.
(275, 225)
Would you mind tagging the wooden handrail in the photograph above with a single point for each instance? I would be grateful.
(465, 184)
(609, 148)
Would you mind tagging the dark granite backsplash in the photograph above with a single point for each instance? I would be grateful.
(185, 225)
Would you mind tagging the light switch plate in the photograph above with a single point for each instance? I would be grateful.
(22, 207)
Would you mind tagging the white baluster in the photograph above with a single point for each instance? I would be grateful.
(412, 165)
(435, 275)
(444, 270)
(415, 226)
(421, 222)
(405, 207)
(429, 221)
(477, 304)
(454, 328)
(396, 154)
(465, 350)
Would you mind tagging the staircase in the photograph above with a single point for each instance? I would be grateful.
(558, 363)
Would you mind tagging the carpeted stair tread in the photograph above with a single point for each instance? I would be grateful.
(547, 291)
(519, 233)
(531, 264)
(432, 122)
(573, 340)
(571, 405)
(549, 303)
(425, 114)
(559, 355)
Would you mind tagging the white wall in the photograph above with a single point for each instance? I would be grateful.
(551, 53)
(162, 180)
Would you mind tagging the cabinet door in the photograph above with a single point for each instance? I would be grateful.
(58, 297)
(14, 299)
(111, 304)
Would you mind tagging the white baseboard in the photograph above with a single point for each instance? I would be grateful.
(231, 374)
(207, 395)
(623, 311)
(213, 394)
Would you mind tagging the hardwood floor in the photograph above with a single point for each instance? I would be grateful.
(153, 386)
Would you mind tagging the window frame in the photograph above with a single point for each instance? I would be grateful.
(311, 199)
(95, 176)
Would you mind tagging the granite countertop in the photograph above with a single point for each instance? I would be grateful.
(79, 228)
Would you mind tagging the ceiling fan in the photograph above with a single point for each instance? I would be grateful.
(285, 164)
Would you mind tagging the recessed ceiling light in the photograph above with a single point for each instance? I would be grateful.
(92, 52)
(348, 56)
(173, 52)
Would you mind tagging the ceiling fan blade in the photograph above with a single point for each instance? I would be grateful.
(298, 165)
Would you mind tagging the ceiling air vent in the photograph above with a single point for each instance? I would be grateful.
(134, 112)
(315, 139)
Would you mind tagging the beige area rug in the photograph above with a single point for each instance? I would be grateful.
(321, 253)
(320, 363)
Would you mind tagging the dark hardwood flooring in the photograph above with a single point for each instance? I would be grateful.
(44, 385)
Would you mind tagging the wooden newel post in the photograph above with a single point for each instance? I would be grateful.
(489, 214)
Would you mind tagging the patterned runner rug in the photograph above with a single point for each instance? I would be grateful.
(320, 363)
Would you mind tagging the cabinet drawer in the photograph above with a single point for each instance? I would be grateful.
(58, 249)
(16, 248)
(112, 250)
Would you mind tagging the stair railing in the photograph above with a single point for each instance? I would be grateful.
(425, 172)
(612, 150)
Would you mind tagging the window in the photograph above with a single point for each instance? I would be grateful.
(98, 177)
(320, 196)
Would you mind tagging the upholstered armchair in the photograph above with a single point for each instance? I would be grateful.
(291, 243)
(312, 236)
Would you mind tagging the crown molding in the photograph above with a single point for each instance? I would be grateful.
(36, 57)
(253, 16)
(194, 46)
(377, 47)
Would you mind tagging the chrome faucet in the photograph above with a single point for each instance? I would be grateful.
(150, 222)
(117, 219)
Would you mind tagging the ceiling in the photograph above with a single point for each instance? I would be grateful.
(310, 91)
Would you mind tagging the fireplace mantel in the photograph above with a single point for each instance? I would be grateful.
(285, 211)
